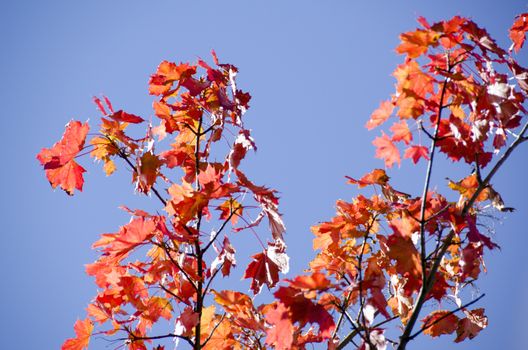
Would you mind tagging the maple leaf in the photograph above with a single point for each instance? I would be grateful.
(416, 43)
(186, 322)
(59, 160)
(122, 116)
(99, 105)
(167, 73)
(240, 306)
(471, 257)
(416, 152)
(303, 310)
(375, 177)
(83, 331)
(414, 85)
(147, 171)
(222, 337)
(471, 325)
(327, 234)
(316, 281)
(130, 236)
(380, 115)
(157, 307)
(233, 301)
(440, 322)
(280, 335)
(377, 339)
(98, 312)
(264, 269)
(404, 226)
(103, 149)
(467, 187)
(185, 203)
(518, 31)
(401, 132)
(482, 39)
(402, 250)
(386, 150)
(231, 209)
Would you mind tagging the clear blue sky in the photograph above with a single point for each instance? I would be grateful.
(316, 70)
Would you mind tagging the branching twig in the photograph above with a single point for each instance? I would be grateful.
(404, 339)
(447, 242)
(175, 263)
(170, 335)
(220, 230)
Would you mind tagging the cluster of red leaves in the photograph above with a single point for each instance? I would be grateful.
(454, 87)
(370, 250)
(387, 255)
(184, 247)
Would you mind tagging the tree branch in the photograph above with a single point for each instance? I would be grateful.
(170, 335)
(423, 254)
(404, 339)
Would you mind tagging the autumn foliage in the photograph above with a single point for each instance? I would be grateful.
(387, 262)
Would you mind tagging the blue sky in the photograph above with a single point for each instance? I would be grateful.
(316, 70)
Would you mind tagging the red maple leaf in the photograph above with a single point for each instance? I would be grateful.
(518, 31)
(262, 270)
(122, 116)
(416, 152)
(59, 160)
(471, 326)
(130, 236)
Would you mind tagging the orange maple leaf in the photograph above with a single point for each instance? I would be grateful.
(440, 322)
(380, 115)
(401, 132)
(83, 331)
(518, 31)
(416, 43)
(386, 150)
(375, 177)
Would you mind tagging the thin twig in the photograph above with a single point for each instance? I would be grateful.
(170, 335)
(429, 325)
(213, 330)
(212, 278)
(124, 156)
(175, 263)
(174, 295)
(220, 230)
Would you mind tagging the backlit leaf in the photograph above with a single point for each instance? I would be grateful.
(59, 161)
